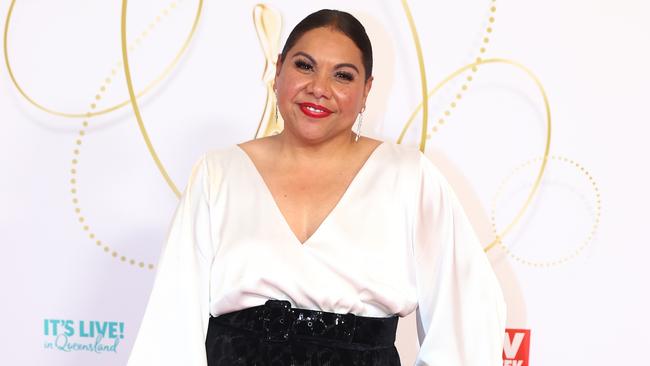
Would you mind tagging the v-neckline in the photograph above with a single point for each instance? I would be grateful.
(278, 211)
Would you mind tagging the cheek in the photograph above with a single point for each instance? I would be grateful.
(348, 99)
(289, 86)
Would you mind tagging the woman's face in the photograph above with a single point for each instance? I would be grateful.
(321, 86)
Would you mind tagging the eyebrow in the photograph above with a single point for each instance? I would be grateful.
(337, 66)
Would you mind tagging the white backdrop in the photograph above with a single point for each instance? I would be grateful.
(85, 208)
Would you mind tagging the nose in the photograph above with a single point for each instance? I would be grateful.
(319, 86)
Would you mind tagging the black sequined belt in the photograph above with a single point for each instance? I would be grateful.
(277, 321)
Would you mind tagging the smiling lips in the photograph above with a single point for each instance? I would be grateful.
(314, 110)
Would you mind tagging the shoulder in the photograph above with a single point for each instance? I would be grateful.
(220, 158)
(403, 156)
(212, 164)
(210, 169)
(410, 163)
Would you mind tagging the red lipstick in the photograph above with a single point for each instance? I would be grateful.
(314, 110)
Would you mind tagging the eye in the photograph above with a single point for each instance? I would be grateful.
(344, 75)
(303, 65)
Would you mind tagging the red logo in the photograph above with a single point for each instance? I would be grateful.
(516, 346)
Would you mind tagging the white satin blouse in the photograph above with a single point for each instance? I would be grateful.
(397, 241)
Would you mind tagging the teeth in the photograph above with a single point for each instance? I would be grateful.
(314, 109)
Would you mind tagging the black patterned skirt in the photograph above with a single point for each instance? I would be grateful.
(274, 334)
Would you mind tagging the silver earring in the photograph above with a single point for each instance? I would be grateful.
(356, 138)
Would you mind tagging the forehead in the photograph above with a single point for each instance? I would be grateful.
(327, 44)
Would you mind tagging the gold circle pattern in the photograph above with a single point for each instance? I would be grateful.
(133, 96)
(168, 69)
(589, 237)
(465, 86)
(78, 143)
(547, 146)
(423, 75)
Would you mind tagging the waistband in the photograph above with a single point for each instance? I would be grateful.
(277, 321)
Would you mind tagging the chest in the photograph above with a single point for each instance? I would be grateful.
(362, 244)
(306, 197)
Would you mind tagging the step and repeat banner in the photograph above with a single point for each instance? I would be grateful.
(535, 111)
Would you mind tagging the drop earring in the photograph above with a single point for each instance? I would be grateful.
(356, 138)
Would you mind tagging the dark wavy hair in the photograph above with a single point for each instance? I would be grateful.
(339, 21)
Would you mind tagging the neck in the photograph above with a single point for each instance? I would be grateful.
(299, 150)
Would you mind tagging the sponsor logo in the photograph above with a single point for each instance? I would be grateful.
(82, 335)
(516, 346)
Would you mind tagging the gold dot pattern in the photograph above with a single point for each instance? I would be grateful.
(464, 87)
(78, 142)
(587, 240)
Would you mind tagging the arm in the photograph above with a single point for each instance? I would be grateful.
(461, 312)
(175, 323)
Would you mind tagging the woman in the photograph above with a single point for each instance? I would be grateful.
(305, 247)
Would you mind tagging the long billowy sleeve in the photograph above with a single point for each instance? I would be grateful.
(461, 311)
(175, 323)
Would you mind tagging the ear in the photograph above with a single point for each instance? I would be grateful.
(278, 66)
(366, 89)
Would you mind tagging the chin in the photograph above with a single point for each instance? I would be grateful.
(314, 132)
(313, 138)
(310, 131)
